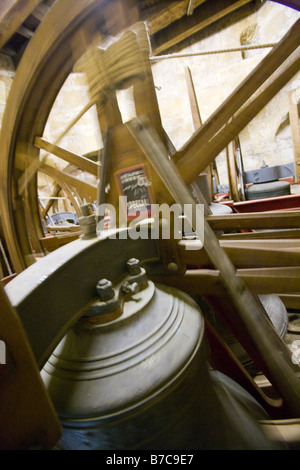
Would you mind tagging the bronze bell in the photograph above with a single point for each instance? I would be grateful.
(140, 380)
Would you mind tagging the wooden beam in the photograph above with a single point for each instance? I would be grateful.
(197, 123)
(63, 228)
(249, 86)
(28, 419)
(270, 280)
(258, 280)
(241, 255)
(281, 244)
(255, 220)
(295, 129)
(40, 11)
(26, 32)
(80, 162)
(86, 190)
(55, 193)
(191, 7)
(196, 116)
(291, 301)
(12, 14)
(232, 170)
(269, 234)
(163, 17)
(202, 17)
(52, 243)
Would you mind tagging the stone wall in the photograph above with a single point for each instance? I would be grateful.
(7, 73)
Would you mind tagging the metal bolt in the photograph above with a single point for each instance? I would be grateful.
(173, 267)
(130, 288)
(105, 289)
(133, 266)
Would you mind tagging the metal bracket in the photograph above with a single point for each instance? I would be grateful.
(50, 295)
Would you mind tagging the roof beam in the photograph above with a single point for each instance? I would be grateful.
(183, 28)
(164, 16)
(12, 14)
(40, 11)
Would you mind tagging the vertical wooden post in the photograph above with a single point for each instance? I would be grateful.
(28, 419)
(295, 129)
(232, 170)
(197, 123)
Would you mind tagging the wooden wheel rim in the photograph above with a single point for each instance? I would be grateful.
(48, 60)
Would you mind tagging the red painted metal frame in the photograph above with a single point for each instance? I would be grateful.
(286, 203)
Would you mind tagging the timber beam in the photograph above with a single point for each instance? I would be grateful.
(255, 220)
(258, 280)
(204, 15)
(12, 14)
(80, 162)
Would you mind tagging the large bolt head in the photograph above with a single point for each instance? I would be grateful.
(105, 290)
(133, 266)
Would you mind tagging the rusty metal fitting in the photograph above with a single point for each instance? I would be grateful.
(129, 288)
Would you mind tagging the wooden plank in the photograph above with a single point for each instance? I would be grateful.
(281, 244)
(55, 242)
(196, 117)
(40, 11)
(191, 7)
(197, 123)
(55, 193)
(258, 280)
(232, 170)
(63, 228)
(28, 419)
(202, 17)
(80, 162)
(12, 14)
(241, 256)
(86, 190)
(255, 220)
(164, 16)
(291, 301)
(26, 32)
(295, 129)
(188, 155)
(267, 234)
(270, 280)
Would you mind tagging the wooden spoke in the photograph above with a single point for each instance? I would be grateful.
(80, 162)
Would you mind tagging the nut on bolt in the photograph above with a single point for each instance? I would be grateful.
(105, 290)
(130, 288)
(133, 266)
